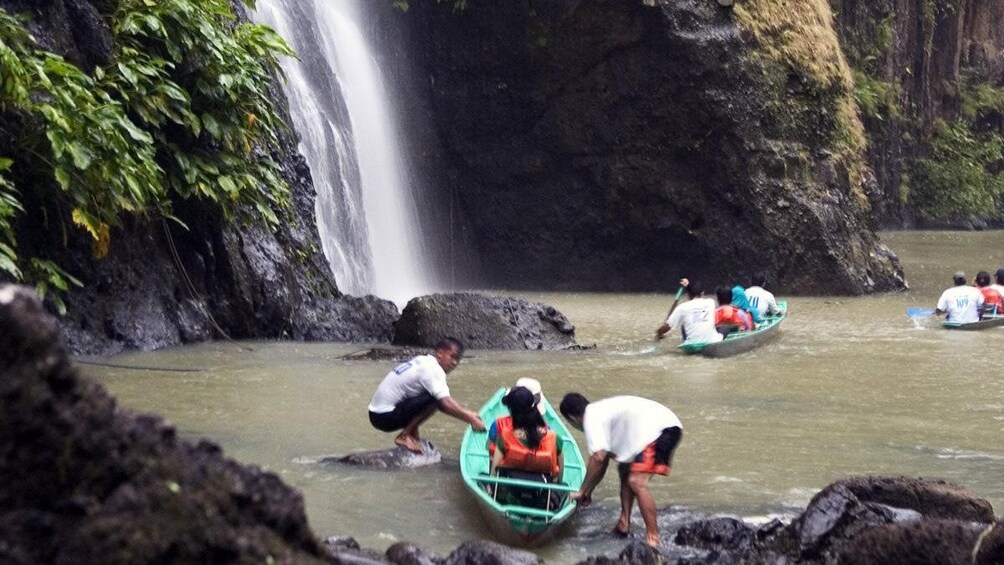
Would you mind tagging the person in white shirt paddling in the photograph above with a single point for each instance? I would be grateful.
(411, 393)
(641, 435)
(962, 303)
(695, 317)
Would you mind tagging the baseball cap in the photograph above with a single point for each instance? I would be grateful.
(533, 385)
(1000, 272)
(959, 276)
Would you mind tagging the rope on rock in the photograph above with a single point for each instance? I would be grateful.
(200, 301)
(979, 542)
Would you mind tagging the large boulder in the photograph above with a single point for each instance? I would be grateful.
(483, 322)
(85, 481)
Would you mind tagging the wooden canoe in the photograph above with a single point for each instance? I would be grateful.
(740, 342)
(986, 322)
(512, 524)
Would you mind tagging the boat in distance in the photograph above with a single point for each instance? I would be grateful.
(511, 523)
(741, 342)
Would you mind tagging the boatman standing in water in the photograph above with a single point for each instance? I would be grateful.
(962, 303)
(641, 435)
(695, 317)
(413, 391)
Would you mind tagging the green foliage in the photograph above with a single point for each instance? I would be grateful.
(877, 99)
(957, 180)
(50, 277)
(182, 111)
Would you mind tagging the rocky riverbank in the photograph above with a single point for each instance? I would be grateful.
(87, 481)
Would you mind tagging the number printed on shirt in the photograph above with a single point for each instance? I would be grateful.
(962, 302)
(754, 302)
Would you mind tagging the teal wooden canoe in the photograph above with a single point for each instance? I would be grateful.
(986, 322)
(740, 342)
(513, 524)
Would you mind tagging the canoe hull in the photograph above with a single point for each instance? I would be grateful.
(513, 524)
(985, 323)
(741, 342)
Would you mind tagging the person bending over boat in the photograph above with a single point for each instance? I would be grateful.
(695, 317)
(993, 301)
(729, 318)
(761, 302)
(411, 393)
(525, 449)
(962, 303)
(641, 435)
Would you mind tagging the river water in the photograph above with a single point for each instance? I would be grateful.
(851, 386)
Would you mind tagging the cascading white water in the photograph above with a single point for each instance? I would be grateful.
(366, 211)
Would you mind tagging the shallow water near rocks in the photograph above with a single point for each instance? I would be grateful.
(851, 386)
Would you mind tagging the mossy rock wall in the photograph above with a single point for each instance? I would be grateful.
(610, 145)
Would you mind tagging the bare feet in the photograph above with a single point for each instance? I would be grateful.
(408, 442)
(652, 539)
(618, 532)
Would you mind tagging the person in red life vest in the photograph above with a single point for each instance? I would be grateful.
(729, 318)
(501, 424)
(993, 302)
(525, 443)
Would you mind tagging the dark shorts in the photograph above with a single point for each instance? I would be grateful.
(657, 457)
(404, 412)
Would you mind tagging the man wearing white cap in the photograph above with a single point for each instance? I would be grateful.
(962, 303)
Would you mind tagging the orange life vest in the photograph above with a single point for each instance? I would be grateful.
(731, 315)
(517, 456)
(502, 425)
(992, 298)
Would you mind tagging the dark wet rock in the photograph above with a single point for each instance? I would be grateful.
(396, 458)
(717, 533)
(384, 354)
(345, 550)
(408, 553)
(933, 498)
(931, 542)
(483, 322)
(617, 145)
(637, 552)
(85, 481)
(490, 553)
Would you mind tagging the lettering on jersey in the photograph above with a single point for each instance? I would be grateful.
(962, 302)
(402, 368)
(754, 302)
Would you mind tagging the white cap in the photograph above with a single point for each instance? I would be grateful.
(533, 385)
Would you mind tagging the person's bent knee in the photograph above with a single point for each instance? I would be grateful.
(638, 481)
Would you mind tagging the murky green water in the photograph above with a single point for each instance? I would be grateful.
(850, 387)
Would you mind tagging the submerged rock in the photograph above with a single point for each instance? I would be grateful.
(396, 458)
(483, 322)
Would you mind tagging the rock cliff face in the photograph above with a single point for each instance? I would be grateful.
(610, 145)
(164, 285)
(915, 52)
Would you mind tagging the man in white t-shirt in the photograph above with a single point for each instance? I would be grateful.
(641, 435)
(411, 393)
(695, 317)
(760, 300)
(962, 303)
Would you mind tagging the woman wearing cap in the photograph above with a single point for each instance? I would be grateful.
(522, 441)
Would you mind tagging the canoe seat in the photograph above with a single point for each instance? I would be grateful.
(521, 495)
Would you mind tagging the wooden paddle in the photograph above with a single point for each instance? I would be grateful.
(676, 300)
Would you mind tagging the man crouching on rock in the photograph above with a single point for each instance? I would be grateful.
(641, 435)
(412, 392)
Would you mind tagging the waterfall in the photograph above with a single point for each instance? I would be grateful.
(366, 209)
